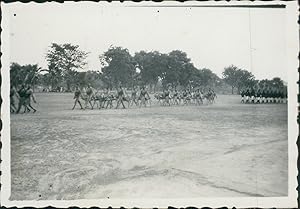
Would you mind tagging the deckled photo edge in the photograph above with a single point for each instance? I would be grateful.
(290, 201)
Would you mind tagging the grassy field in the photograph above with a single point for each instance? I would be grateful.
(224, 149)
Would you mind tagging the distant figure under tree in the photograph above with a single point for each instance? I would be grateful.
(77, 95)
(89, 93)
(120, 97)
(13, 95)
(144, 96)
(28, 96)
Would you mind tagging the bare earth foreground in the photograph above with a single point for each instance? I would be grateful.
(225, 149)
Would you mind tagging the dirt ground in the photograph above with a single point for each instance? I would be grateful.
(225, 149)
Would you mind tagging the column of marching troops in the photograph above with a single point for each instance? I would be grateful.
(140, 97)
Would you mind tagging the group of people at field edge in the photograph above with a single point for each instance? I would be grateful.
(139, 97)
(263, 95)
(20, 99)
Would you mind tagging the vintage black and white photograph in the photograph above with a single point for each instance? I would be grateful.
(150, 101)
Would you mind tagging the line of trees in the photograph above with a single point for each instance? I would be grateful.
(119, 67)
(152, 68)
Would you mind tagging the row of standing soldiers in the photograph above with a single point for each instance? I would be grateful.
(264, 95)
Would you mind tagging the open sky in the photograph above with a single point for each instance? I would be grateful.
(253, 39)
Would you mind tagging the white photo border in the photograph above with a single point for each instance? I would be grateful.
(245, 202)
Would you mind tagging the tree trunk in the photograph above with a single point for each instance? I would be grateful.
(68, 86)
(232, 87)
(52, 84)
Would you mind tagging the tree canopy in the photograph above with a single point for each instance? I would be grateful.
(150, 66)
(238, 78)
(26, 74)
(63, 62)
(118, 67)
